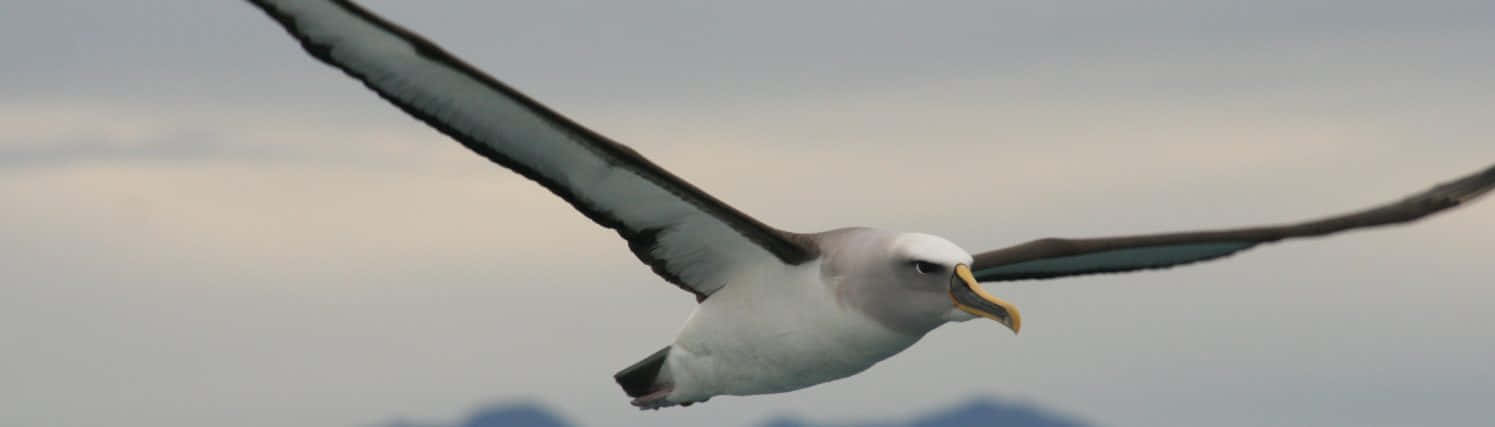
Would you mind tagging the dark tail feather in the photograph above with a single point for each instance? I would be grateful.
(639, 379)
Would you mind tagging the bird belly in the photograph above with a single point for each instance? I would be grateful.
(785, 331)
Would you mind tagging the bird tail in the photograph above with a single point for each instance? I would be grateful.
(643, 377)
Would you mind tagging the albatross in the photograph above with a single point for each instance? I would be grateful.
(776, 311)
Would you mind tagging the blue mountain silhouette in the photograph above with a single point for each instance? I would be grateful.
(990, 412)
(979, 412)
(515, 416)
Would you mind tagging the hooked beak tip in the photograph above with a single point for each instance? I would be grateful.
(971, 298)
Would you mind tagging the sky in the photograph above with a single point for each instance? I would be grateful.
(201, 225)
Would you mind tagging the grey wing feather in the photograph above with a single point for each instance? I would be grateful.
(1057, 257)
(687, 236)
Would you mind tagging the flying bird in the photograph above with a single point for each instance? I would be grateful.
(777, 311)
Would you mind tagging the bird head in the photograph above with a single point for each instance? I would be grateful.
(935, 266)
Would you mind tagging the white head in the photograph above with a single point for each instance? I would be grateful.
(911, 282)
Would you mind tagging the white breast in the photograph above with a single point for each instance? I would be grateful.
(772, 331)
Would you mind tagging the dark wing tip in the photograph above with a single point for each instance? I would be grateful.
(1462, 190)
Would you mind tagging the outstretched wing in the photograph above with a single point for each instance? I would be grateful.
(1048, 258)
(688, 237)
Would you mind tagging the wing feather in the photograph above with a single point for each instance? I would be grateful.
(687, 236)
(1055, 257)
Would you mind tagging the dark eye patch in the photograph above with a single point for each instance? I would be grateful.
(925, 267)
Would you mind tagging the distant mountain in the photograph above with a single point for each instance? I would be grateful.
(785, 422)
(507, 415)
(989, 412)
(515, 416)
(981, 412)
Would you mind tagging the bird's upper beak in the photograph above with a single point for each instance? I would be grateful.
(969, 297)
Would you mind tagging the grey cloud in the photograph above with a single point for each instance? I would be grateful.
(182, 49)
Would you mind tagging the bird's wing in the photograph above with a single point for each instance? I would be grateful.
(684, 234)
(1055, 257)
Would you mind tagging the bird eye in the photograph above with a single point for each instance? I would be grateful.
(924, 267)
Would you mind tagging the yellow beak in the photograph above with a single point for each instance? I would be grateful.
(969, 297)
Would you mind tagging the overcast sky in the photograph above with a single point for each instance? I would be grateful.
(201, 225)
